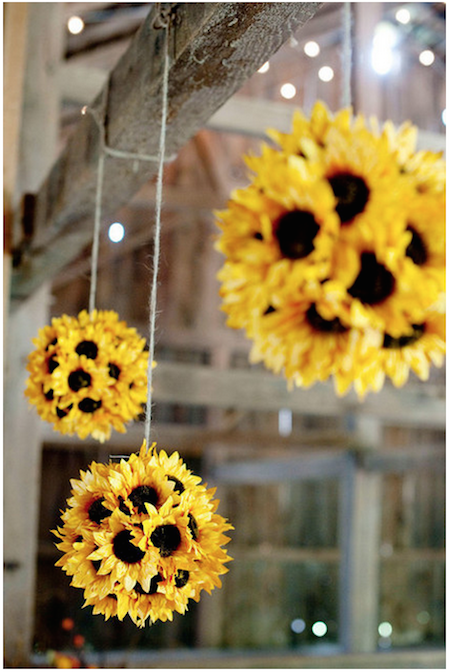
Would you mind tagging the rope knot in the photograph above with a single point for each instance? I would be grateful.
(164, 17)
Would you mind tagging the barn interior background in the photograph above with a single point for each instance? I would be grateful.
(338, 505)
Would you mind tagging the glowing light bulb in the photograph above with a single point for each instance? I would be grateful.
(264, 68)
(311, 49)
(382, 60)
(319, 629)
(116, 232)
(385, 629)
(326, 73)
(298, 625)
(403, 16)
(75, 25)
(288, 90)
(426, 57)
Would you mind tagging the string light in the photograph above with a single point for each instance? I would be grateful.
(311, 49)
(319, 629)
(426, 57)
(384, 39)
(326, 73)
(75, 25)
(288, 90)
(403, 16)
(116, 232)
(385, 629)
(264, 68)
(298, 625)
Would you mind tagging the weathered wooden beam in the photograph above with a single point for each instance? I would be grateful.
(214, 48)
(260, 390)
(248, 116)
(240, 114)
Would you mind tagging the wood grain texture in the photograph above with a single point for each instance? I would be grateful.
(214, 48)
(260, 390)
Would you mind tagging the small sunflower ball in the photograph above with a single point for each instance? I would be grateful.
(142, 537)
(335, 253)
(88, 374)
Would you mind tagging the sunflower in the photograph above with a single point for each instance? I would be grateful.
(421, 346)
(337, 241)
(142, 537)
(283, 224)
(88, 374)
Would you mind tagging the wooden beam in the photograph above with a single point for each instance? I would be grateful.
(255, 389)
(214, 48)
(249, 116)
(240, 114)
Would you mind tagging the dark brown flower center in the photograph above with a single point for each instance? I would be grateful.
(87, 348)
(97, 512)
(392, 343)
(52, 364)
(374, 282)
(142, 494)
(181, 578)
(96, 564)
(167, 538)
(153, 586)
(88, 405)
(295, 232)
(54, 342)
(319, 323)
(62, 412)
(352, 195)
(125, 550)
(79, 379)
(179, 487)
(193, 526)
(114, 371)
(416, 249)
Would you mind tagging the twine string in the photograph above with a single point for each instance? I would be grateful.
(157, 234)
(162, 21)
(96, 238)
(346, 54)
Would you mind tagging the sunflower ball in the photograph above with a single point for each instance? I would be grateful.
(335, 253)
(142, 537)
(88, 374)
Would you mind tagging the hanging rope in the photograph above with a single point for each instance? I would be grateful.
(346, 54)
(157, 235)
(162, 21)
(97, 222)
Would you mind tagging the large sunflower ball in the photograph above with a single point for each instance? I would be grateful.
(88, 374)
(142, 537)
(335, 253)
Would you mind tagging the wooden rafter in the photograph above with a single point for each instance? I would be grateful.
(214, 48)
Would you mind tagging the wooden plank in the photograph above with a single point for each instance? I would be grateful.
(431, 659)
(22, 440)
(214, 48)
(21, 461)
(15, 35)
(248, 116)
(255, 389)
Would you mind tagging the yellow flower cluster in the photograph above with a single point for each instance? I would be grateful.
(335, 253)
(142, 537)
(88, 374)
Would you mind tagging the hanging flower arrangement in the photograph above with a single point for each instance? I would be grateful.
(88, 374)
(335, 253)
(142, 537)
